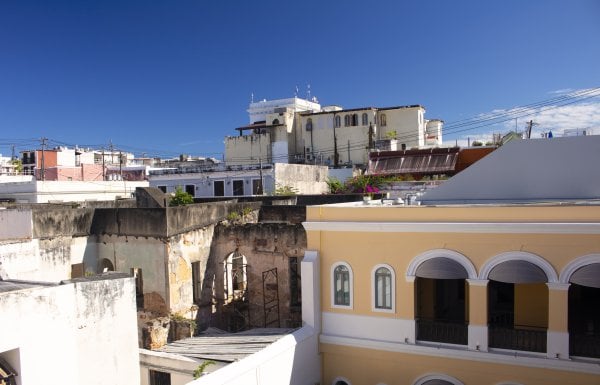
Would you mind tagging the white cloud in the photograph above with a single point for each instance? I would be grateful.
(584, 115)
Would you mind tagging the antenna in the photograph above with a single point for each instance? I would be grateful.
(308, 92)
(296, 93)
(252, 97)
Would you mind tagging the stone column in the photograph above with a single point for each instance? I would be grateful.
(557, 342)
(478, 315)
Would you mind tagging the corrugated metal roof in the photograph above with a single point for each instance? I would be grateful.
(225, 347)
(409, 162)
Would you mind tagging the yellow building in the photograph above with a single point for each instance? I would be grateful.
(473, 294)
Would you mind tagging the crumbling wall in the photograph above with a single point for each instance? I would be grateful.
(183, 250)
(265, 246)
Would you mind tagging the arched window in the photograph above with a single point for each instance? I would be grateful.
(275, 122)
(309, 125)
(383, 288)
(342, 285)
(346, 120)
(355, 119)
(383, 120)
(365, 119)
(338, 121)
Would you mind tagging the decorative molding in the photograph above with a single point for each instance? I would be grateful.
(558, 286)
(478, 282)
(519, 256)
(437, 376)
(344, 379)
(457, 227)
(442, 253)
(576, 264)
(517, 358)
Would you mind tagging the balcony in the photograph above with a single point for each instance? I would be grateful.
(450, 332)
(584, 345)
(526, 339)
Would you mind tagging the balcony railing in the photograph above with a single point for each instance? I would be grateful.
(584, 345)
(530, 339)
(450, 332)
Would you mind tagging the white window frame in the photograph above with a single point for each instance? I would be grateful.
(392, 289)
(350, 284)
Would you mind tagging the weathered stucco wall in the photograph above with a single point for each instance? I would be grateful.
(306, 179)
(183, 250)
(145, 253)
(48, 260)
(73, 332)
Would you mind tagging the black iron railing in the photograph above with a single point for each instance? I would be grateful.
(450, 332)
(527, 339)
(584, 345)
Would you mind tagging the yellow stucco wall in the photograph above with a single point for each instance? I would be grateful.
(366, 366)
(535, 304)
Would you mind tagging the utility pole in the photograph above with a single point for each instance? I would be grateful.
(120, 165)
(43, 140)
(111, 147)
(530, 125)
(103, 167)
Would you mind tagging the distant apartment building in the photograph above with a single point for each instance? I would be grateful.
(76, 164)
(301, 131)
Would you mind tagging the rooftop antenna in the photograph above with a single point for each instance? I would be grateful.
(296, 93)
(308, 92)
(252, 97)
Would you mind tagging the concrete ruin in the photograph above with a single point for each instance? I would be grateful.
(230, 264)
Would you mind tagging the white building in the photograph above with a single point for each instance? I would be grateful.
(232, 181)
(301, 131)
(26, 189)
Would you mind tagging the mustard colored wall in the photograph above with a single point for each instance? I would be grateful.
(362, 251)
(531, 305)
(558, 319)
(476, 301)
(365, 366)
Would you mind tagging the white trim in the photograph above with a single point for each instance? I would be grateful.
(519, 256)
(478, 282)
(558, 286)
(478, 337)
(437, 376)
(517, 358)
(576, 264)
(441, 253)
(457, 227)
(351, 283)
(335, 380)
(392, 289)
(375, 327)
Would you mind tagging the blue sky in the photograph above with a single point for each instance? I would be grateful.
(171, 77)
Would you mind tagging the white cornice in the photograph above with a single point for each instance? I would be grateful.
(457, 227)
(464, 354)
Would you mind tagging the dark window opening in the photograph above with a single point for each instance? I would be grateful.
(257, 188)
(159, 378)
(295, 291)
(162, 188)
(238, 187)
(190, 189)
(139, 287)
(219, 188)
(196, 284)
